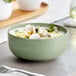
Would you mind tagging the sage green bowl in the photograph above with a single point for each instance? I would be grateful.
(37, 49)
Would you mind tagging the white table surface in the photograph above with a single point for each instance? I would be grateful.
(57, 9)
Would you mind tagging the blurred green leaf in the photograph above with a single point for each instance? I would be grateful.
(8, 1)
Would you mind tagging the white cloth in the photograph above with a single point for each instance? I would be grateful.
(70, 22)
(57, 10)
(72, 74)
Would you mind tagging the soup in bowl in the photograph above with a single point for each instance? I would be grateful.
(37, 41)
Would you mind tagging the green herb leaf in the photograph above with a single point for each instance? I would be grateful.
(8, 1)
(27, 37)
(51, 28)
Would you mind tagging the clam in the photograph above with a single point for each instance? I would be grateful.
(34, 36)
(28, 28)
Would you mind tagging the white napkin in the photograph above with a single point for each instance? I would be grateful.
(70, 22)
(72, 74)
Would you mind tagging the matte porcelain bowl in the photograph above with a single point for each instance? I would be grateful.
(38, 49)
(29, 5)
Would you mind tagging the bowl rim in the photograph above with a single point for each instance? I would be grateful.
(47, 24)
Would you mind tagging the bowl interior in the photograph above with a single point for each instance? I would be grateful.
(61, 28)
